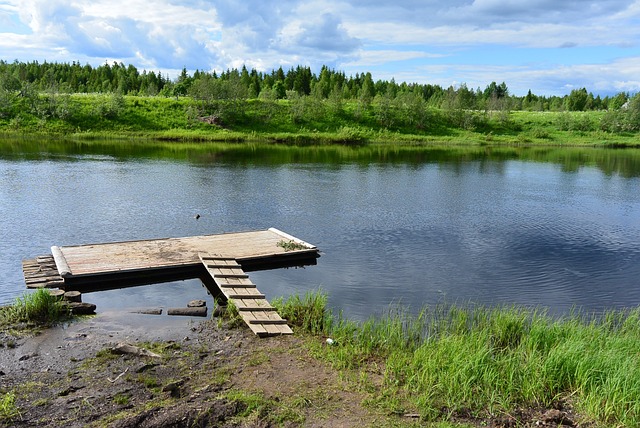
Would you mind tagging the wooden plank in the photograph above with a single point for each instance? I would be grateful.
(230, 275)
(245, 296)
(267, 321)
(237, 285)
(253, 305)
(222, 266)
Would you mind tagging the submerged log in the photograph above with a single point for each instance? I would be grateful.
(147, 311)
(192, 312)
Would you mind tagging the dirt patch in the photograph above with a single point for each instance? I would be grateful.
(208, 375)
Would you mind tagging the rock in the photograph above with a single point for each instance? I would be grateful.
(219, 310)
(125, 348)
(192, 312)
(173, 388)
(555, 416)
(196, 304)
(79, 308)
(144, 367)
(27, 356)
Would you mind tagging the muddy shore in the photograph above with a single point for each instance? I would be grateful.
(208, 374)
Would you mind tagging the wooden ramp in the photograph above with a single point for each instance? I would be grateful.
(236, 286)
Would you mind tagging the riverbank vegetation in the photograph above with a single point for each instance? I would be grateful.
(298, 107)
(446, 366)
(39, 308)
(477, 363)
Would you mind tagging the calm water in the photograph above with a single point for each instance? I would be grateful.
(551, 228)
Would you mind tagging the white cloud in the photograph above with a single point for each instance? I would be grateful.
(455, 40)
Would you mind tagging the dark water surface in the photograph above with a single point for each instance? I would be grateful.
(555, 228)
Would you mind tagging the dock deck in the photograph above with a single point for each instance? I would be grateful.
(105, 266)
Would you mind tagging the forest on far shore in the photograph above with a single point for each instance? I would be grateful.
(114, 99)
(278, 84)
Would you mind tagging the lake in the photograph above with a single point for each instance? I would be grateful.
(554, 228)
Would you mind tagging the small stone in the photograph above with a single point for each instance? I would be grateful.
(556, 416)
(173, 388)
(196, 304)
(219, 311)
(27, 356)
(144, 367)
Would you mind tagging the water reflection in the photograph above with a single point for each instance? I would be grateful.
(553, 227)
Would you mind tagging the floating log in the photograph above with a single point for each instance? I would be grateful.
(150, 311)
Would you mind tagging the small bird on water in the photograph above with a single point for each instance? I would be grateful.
(197, 216)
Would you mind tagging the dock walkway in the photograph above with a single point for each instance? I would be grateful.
(238, 289)
(105, 266)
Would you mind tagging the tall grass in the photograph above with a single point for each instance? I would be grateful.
(479, 361)
(38, 307)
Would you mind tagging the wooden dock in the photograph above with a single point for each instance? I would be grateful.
(105, 266)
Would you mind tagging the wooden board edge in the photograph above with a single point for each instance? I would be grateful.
(61, 262)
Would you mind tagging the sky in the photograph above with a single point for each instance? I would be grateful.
(547, 46)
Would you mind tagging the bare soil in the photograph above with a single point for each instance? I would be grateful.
(209, 374)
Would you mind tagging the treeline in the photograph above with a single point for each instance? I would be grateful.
(279, 84)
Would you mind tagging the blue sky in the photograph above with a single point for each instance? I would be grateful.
(548, 46)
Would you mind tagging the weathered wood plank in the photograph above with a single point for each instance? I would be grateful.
(169, 252)
(267, 321)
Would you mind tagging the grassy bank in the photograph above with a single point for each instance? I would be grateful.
(448, 366)
(302, 120)
(479, 363)
(35, 309)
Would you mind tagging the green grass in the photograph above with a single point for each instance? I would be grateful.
(308, 312)
(308, 121)
(258, 408)
(448, 361)
(8, 408)
(38, 307)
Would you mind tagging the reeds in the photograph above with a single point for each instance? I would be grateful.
(451, 360)
(38, 307)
